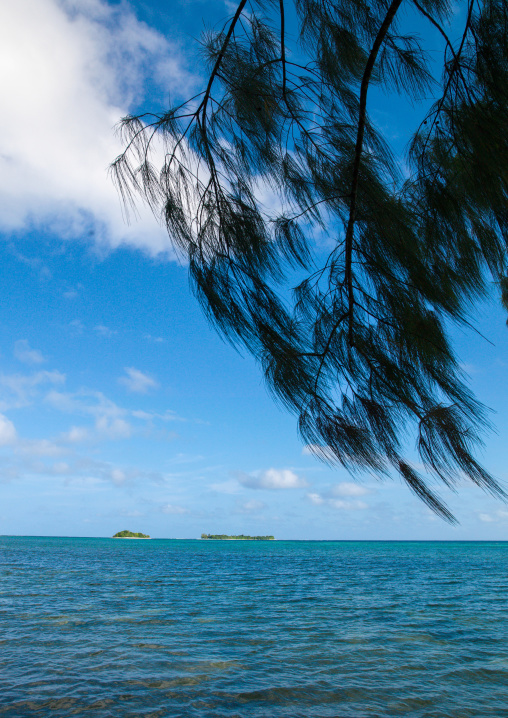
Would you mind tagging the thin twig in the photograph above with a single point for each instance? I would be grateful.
(362, 118)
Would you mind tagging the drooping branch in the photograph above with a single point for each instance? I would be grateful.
(301, 129)
(220, 56)
(362, 116)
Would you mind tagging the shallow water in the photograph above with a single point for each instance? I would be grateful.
(102, 627)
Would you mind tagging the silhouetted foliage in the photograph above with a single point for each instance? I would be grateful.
(359, 350)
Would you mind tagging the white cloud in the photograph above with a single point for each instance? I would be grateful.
(76, 434)
(112, 428)
(69, 70)
(339, 504)
(88, 470)
(18, 390)
(168, 415)
(7, 431)
(470, 368)
(39, 447)
(349, 489)
(103, 331)
(347, 505)
(118, 477)
(322, 452)
(24, 353)
(61, 467)
(272, 479)
(110, 419)
(499, 515)
(226, 487)
(172, 509)
(70, 294)
(76, 326)
(136, 381)
(251, 507)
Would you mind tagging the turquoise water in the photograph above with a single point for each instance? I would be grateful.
(102, 627)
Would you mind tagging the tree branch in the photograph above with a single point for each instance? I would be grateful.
(358, 153)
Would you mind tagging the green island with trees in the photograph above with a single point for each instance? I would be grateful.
(130, 534)
(241, 537)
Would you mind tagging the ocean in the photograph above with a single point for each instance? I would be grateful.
(222, 629)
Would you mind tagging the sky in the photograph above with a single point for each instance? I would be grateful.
(119, 406)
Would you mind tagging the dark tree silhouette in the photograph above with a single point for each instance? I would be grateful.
(357, 346)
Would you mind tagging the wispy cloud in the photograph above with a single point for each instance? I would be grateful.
(347, 491)
(104, 331)
(494, 517)
(19, 390)
(24, 353)
(322, 452)
(136, 381)
(111, 421)
(347, 488)
(7, 431)
(250, 507)
(272, 479)
(173, 509)
(226, 487)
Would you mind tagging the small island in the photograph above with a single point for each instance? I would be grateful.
(241, 537)
(131, 535)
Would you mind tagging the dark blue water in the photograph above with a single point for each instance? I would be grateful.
(103, 627)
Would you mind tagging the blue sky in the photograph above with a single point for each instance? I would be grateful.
(120, 407)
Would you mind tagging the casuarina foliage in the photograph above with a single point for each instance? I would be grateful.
(357, 345)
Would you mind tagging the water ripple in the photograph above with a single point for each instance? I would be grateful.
(229, 629)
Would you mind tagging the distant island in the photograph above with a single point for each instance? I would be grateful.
(130, 534)
(241, 537)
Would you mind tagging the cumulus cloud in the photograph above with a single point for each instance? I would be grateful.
(24, 353)
(69, 70)
(136, 381)
(272, 479)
